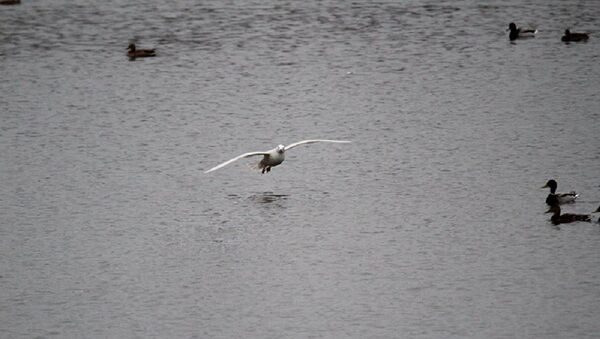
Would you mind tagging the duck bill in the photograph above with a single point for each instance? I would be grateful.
(545, 186)
(549, 211)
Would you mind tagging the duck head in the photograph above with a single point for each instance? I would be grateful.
(131, 47)
(552, 184)
(512, 27)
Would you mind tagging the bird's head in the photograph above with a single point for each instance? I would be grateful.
(512, 27)
(131, 47)
(552, 184)
(280, 149)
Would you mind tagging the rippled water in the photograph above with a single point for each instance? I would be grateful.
(429, 225)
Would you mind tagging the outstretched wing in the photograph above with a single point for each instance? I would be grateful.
(245, 155)
(290, 146)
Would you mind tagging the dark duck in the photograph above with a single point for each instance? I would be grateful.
(139, 53)
(566, 218)
(572, 36)
(562, 198)
(519, 32)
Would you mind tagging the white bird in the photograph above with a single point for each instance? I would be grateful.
(273, 157)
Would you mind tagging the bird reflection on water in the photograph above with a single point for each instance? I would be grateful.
(269, 198)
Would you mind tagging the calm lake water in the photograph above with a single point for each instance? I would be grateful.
(430, 224)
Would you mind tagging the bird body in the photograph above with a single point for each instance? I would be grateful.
(572, 36)
(562, 198)
(139, 53)
(519, 32)
(272, 157)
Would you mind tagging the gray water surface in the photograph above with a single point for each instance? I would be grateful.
(429, 225)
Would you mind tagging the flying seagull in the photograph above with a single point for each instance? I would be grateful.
(273, 157)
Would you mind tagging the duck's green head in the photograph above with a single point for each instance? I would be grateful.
(552, 184)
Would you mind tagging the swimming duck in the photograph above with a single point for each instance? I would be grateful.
(139, 53)
(563, 198)
(558, 218)
(574, 36)
(518, 32)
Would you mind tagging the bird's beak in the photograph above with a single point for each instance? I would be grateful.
(549, 211)
(545, 186)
